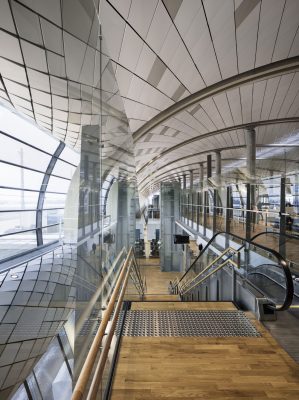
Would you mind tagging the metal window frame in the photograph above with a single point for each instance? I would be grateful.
(42, 192)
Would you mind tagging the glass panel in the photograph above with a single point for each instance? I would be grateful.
(63, 169)
(53, 200)
(52, 233)
(51, 217)
(52, 376)
(17, 199)
(23, 155)
(14, 244)
(70, 156)
(17, 221)
(21, 128)
(19, 178)
(58, 185)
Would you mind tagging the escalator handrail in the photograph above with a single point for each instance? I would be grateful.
(270, 279)
(281, 261)
(287, 272)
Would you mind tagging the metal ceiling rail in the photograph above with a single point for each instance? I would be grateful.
(224, 130)
(266, 71)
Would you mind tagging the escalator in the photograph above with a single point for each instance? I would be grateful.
(237, 269)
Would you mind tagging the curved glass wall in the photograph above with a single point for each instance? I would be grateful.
(35, 173)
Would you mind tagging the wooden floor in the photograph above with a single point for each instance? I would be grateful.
(204, 367)
(157, 282)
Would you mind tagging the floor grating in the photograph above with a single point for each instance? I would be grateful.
(188, 323)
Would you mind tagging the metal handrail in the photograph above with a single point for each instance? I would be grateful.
(281, 261)
(226, 262)
(113, 307)
(185, 284)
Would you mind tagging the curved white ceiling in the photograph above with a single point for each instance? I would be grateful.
(166, 53)
(187, 72)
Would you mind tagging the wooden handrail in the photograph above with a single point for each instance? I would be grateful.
(102, 361)
(92, 354)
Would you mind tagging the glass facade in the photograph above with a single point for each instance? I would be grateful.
(34, 181)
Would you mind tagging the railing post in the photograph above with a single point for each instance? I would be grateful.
(233, 283)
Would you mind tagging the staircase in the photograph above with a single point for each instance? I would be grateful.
(200, 350)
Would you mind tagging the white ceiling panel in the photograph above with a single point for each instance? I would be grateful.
(270, 18)
(282, 90)
(235, 105)
(27, 23)
(115, 25)
(141, 15)
(154, 98)
(220, 17)
(246, 101)
(159, 28)
(257, 99)
(10, 48)
(50, 10)
(209, 106)
(6, 20)
(223, 107)
(145, 62)
(246, 34)
(271, 88)
(198, 41)
(162, 52)
(289, 99)
(287, 31)
(168, 83)
(122, 6)
(131, 49)
(205, 119)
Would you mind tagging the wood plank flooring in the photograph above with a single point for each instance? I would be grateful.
(204, 367)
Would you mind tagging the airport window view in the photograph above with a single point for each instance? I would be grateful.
(149, 199)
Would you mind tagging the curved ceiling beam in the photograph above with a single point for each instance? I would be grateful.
(183, 158)
(217, 132)
(174, 177)
(179, 170)
(260, 73)
(207, 152)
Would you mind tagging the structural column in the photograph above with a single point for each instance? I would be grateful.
(201, 175)
(191, 198)
(184, 182)
(251, 152)
(191, 179)
(218, 164)
(251, 171)
(209, 166)
(282, 224)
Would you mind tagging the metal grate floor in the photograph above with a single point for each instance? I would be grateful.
(188, 323)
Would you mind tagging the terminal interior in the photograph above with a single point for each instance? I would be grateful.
(149, 199)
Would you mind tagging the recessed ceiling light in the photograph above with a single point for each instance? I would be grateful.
(14, 276)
